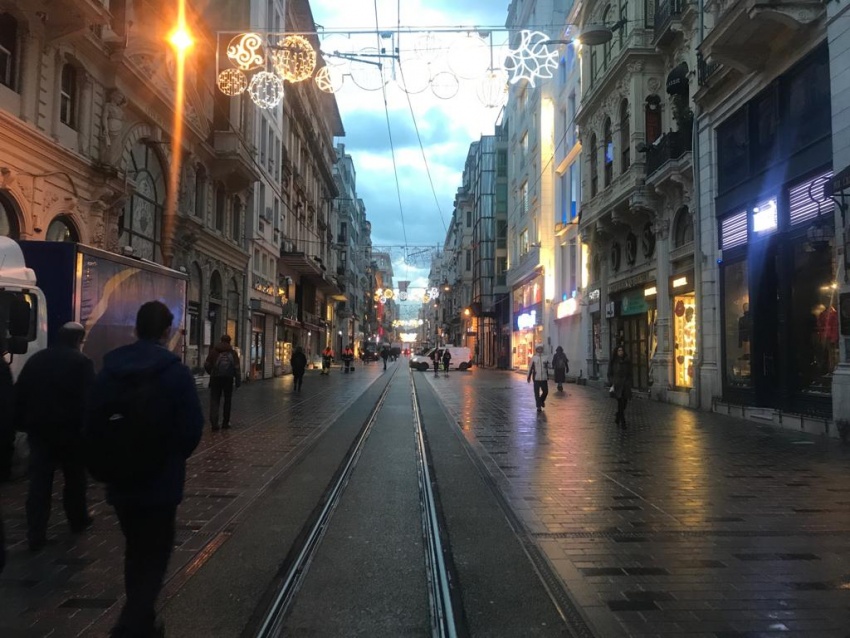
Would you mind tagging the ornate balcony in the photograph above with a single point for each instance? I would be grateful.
(668, 20)
(672, 146)
(234, 163)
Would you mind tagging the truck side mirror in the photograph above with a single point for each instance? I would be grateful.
(19, 319)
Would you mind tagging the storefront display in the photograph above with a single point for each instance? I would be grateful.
(527, 320)
(633, 327)
(684, 334)
(738, 325)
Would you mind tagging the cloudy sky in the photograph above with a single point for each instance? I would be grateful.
(446, 127)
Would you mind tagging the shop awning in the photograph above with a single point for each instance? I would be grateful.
(677, 80)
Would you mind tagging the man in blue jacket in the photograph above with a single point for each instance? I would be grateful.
(147, 509)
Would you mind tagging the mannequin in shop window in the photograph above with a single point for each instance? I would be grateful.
(827, 331)
(745, 326)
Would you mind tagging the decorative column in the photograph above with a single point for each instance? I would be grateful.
(29, 78)
(662, 361)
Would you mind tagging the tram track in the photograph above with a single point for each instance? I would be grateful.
(443, 604)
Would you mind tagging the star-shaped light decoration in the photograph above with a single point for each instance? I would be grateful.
(532, 59)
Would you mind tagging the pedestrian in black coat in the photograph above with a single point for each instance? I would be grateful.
(620, 382)
(561, 365)
(50, 404)
(7, 438)
(298, 361)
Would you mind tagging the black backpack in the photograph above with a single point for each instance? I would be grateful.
(126, 437)
(225, 365)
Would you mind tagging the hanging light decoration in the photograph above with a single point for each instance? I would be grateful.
(367, 76)
(492, 89)
(444, 85)
(266, 89)
(532, 59)
(335, 48)
(429, 47)
(330, 79)
(414, 75)
(295, 58)
(232, 82)
(246, 51)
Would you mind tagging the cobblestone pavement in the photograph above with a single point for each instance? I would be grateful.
(75, 586)
(687, 523)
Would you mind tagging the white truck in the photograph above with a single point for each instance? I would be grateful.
(23, 307)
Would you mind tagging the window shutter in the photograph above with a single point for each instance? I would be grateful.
(733, 230)
(801, 206)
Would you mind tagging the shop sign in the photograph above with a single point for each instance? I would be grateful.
(566, 309)
(610, 309)
(526, 320)
(593, 295)
(631, 282)
(682, 283)
(633, 304)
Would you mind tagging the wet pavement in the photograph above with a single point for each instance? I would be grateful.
(686, 523)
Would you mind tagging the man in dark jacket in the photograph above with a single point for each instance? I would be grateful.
(50, 403)
(222, 364)
(147, 509)
(7, 434)
(298, 361)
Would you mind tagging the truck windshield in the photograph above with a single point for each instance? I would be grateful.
(6, 299)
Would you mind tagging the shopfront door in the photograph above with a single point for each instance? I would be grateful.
(634, 335)
(766, 360)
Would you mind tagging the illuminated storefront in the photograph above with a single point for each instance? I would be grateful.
(632, 316)
(527, 321)
(684, 306)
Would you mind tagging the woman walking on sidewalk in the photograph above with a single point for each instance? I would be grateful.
(620, 382)
(562, 366)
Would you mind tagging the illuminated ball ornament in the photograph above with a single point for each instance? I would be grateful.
(444, 85)
(469, 56)
(492, 90)
(330, 79)
(295, 58)
(232, 82)
(266, 89)
(246, 51)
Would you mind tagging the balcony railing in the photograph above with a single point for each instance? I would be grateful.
(705, 69)
(671, 147)
(665, 12)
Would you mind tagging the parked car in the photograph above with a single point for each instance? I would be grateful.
(461, 359)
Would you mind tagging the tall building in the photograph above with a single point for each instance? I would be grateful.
(87, 100)
(530, 125)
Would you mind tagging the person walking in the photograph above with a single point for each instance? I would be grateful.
(447, 359)
(7, 438)
(385, 354)
(620, 382)
(298, 361)
(327, 360)
(436, 358)
(222, 364)
(562, 366)
(348, 359)
(50, 404)
(151, 395)
(539, 372)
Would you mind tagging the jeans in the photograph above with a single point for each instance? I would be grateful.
(44, 459)
(298, 379)
(220, 386)
(541, 391)
(149, 533)
(621, 410)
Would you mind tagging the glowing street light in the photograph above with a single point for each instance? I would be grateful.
(181, 39)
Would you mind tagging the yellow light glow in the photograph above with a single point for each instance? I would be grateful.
(681, 281)
(547, 127)
(180, 38)
(649, 292)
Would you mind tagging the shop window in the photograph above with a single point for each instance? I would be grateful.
(765, 217)
(733, 151)
(738, 325)
(684, 333)
(814, 319)
(733, 230)
(625, 136)
(8, 50)
(609, 152)
(806, 200)
(68, 96)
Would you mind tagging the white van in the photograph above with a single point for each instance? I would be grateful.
(461, 358)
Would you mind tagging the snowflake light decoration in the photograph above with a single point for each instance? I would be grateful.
(532, 59)
(266, 89)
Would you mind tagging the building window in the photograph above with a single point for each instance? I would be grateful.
(68, 96)
(652, 118)
(733, 150)
(501, 234)
(61, 229)
(501, 270)
(468, 260)
(625, 136)
(738, 325)
(683, 230)
(8, 50)
(594, 65)
(563, 187)
(609, 152)
(523, 198)
(220, 204)
(523, 143)
(236, 220)
(140, 225)
(469, 219)
(572, 286)
(502, 164)
(523, 242)
(574, 191)
(200, 191)
(594, 166)
(608, 51)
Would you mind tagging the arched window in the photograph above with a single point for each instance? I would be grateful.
(140, 225)
(9, 226)
(68, 96)
(652, 116)
(236, 219)
(200, 191)
(609, 152)
(62, 229)
(233, 311)
(220, 204)
(8, 50)
(624, 30)
(594, 166)
(625, 136)
(683, 232)
(594, 65)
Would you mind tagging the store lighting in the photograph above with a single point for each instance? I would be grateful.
(651, 291)
(765, 217)
(681, 281)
